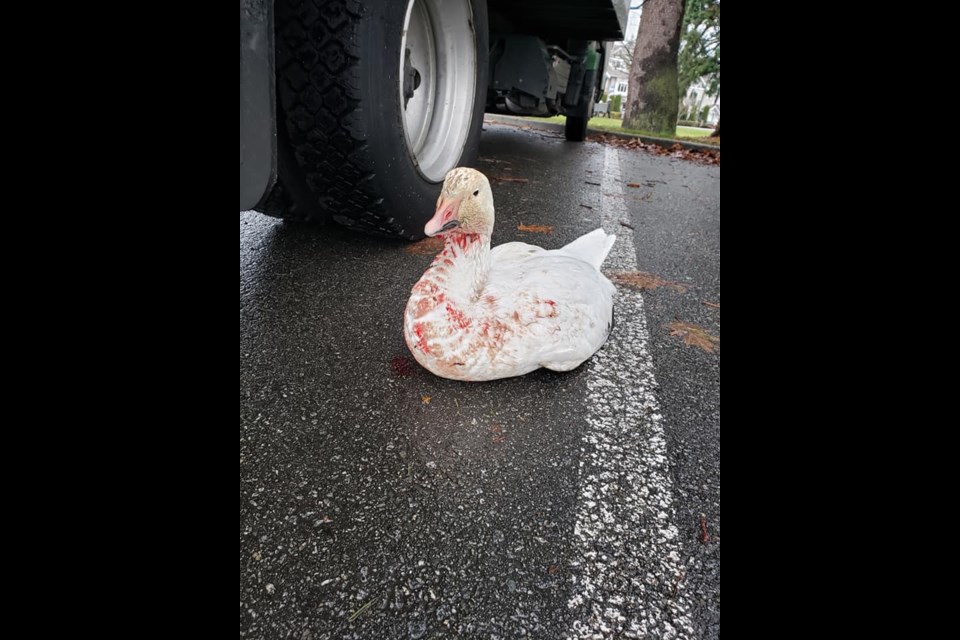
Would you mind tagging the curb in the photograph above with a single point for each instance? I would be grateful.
(497, 118)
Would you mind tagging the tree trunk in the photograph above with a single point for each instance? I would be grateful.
(716, 132)
(653, 97)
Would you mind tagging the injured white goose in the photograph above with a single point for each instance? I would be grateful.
(480, 314)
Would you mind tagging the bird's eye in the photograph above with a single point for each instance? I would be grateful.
(477, 192)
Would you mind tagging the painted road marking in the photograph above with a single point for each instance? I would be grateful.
(630, 578)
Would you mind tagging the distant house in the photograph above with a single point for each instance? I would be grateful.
(615, 82)
(615, 79)
(713, 116)
(698, 97)
(617, 73)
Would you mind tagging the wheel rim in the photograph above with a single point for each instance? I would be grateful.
(438, 75)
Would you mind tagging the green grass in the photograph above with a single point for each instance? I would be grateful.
(693, 132)
(557, 119)
(604, 123)
(615, 124)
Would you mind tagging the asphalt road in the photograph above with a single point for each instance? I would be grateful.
(378, 501)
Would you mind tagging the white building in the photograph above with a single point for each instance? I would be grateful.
(615, 76)
(699, 96)
(615, 82)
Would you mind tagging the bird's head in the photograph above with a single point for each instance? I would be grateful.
(465, 205)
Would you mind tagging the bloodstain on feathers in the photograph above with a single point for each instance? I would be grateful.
(457, 317)
(421, 338)
(547, 309)
(464, 239)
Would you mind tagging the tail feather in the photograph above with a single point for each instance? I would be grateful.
(591, 248)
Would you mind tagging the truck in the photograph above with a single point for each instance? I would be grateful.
(355, 110)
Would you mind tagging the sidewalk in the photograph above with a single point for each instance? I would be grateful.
(535, 123)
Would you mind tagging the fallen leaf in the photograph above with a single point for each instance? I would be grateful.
(705, 156)
(426, 399)
(535, 228)
(644, 281)
(498, 433)
(704, 533)
(635, 185)
(553, 569)
(711, 304)
(694, 336)
(426, 247)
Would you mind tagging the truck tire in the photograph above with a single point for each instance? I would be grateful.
(378, 100)
(281, 203)
(575, 129)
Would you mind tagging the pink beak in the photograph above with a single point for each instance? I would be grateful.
(446, 217)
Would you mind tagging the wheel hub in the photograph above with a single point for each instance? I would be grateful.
(438, 77)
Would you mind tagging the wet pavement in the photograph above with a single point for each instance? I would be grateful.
(379, 501)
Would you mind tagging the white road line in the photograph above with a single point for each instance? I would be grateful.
(630, 581)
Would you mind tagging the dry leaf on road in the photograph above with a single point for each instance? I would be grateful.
(694, 336)
(535, 228)
(705, 156)
(644, 281)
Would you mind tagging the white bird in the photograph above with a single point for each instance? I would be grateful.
(480, 314)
